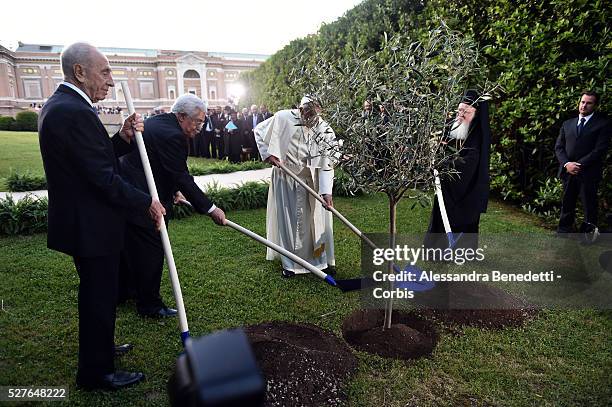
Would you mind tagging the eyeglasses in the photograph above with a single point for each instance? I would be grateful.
(198, 122)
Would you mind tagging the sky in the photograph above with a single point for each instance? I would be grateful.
(258, 27)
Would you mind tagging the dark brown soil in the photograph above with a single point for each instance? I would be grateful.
(480, 305)
(409, 337)
(303, 364)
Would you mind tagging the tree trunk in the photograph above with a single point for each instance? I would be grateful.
(392, 231)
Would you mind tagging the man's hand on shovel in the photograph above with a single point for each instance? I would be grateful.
(157, 212)
(329, 202)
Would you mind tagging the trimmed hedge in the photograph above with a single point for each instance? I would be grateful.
(7, 123)
(543, 53)
(29, 215)
(26, 121)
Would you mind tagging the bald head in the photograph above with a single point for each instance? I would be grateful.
(78, 53)
(88, 69)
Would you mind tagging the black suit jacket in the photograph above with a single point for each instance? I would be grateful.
(87, 196)
(249, 135)
(589, 149)
(167, 150)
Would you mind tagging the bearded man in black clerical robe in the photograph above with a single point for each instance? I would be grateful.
(465, 193)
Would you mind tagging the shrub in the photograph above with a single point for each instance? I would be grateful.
(26, 121)
(250, 195)
(23, 182)
(7, 123)
(224, 167)
(28, 215)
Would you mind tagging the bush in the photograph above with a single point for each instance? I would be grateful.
(224, 167)
(7, 123)
(26, 121)
(250, 195)
(23, 182)
(28, 215)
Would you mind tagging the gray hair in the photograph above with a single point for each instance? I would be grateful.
(77, 53)
(189, 104)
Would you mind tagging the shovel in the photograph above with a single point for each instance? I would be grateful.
(326, 277)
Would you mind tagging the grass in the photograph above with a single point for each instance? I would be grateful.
(19, 151)
(561, 358)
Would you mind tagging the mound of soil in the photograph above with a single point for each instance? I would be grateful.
(409, 337)
(303, 364)
(479, 305)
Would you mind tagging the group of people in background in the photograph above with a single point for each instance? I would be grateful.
(108, 110)
(227, 133)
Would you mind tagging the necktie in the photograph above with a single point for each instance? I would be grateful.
(581, 126)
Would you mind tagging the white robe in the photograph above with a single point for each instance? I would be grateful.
(296, 221)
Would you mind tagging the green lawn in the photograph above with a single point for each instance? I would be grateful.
(19, 151)
(561, 358)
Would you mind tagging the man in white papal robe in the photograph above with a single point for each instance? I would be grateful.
(296, 221)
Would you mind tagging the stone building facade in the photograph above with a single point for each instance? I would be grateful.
(30, 74)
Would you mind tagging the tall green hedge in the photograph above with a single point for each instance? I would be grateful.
(543, 54)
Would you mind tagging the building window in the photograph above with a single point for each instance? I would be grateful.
(191, 74)
(170, 72)
(212, 92)
(171, 93)
(145, 73)
(32, 89)
(146, 90)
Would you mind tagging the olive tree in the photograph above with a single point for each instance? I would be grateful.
(414, 88)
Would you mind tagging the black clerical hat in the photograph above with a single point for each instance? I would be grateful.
(470, 97)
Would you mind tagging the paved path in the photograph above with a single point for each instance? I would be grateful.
(231, 180)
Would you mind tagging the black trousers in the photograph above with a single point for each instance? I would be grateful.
(207, 145)
(142, 265)
(574, 187)
(98, 287)
(218, 148)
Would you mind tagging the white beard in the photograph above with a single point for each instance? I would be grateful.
(460, 132)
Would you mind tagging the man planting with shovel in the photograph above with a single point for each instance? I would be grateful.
(295, 220)
(166, 139)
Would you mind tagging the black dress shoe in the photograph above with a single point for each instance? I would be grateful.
(330, 270)
(121, 350)
(287, 273)
(161, 313)
(112, 381)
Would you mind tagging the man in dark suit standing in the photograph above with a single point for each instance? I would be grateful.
(263, 109)
(219, 121)
(166, 137)
(207, 135)
(253, 119)
(581, 149)
(88, 200)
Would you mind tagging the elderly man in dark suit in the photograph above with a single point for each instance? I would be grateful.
(252, 120)
(166, 137)
(88, 202)
(581, 149)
